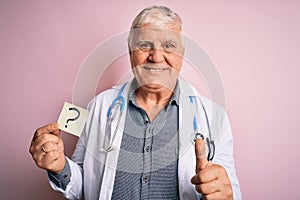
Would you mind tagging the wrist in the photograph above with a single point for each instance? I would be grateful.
(60, 166)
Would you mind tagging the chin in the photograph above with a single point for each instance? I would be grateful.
(153, 85)
(159, 85)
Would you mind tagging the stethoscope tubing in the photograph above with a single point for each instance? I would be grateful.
(197, 134)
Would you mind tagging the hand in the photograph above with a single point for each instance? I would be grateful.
(211, 180)
(47, 148)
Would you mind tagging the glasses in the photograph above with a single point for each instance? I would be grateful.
(167, 46)
(149, 39)
(210, 144)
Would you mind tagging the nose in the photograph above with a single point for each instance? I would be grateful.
(156, 55)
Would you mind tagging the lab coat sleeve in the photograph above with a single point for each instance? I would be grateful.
(224, 156)
(74, 189)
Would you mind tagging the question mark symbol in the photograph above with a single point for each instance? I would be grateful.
(73, 119)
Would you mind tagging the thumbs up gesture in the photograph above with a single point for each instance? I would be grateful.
(211, 180)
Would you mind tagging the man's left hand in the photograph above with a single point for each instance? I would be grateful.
(211, 180)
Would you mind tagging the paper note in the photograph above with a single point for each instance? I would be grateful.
(72, 119)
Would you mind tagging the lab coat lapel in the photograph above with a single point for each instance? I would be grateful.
(187, 160)
(112, 156)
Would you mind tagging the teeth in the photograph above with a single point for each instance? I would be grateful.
(155, 69)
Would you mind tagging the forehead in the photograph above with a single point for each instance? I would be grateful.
(156, 34)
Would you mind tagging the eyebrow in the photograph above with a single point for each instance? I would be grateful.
(149, 41)
(170, 41)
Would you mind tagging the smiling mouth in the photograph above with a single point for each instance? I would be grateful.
(155, 69)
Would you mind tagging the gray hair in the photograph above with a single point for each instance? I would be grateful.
(159, 16)
(156, 16)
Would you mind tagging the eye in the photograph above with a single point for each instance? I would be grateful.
(169, 46)
(144, 46)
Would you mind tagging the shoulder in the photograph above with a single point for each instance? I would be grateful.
(213, 112)
(107, 96)
(189, 91)
(102, 98)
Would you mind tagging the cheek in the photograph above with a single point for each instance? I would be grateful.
(137, 58)
(176, 62)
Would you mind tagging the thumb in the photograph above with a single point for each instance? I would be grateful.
(55, 129)
(201, 160)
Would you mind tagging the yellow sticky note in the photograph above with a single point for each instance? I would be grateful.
(72, 119)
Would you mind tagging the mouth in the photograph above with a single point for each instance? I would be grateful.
(155, 69)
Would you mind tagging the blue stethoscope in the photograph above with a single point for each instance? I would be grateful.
(197, 135)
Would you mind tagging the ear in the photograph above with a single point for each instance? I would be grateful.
(130, 56)
(129, 49)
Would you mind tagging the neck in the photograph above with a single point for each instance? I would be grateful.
(160, 96)
(153, 100)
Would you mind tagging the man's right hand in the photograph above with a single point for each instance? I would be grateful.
(47, 148)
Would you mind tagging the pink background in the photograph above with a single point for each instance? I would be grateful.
(255, 46)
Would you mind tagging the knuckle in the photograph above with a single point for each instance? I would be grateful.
(39, 163)
(201, 188)
(61, 145)
(52, 145)
(227, 182)
(52, 154)
(38, 132)
(31, 149)
(230, 193)
(49, 145)
(198, 188)
(220, 169)
(202, 176)
(36, 157)
(46, 138)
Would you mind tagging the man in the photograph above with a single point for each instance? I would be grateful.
(147, 151)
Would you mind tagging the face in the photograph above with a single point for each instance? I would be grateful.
(156, 57)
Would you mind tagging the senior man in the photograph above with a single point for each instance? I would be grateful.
(140, 146)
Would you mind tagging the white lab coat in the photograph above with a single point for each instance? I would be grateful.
(93, 169)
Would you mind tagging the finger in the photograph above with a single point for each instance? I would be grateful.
(56, 132)
(54, 161)
(201, 161)
(209, 188)
(50, 146)
(48, 159)
(212, 173)
(43, 139)
(196, 179)
(60, 146)
(37, 146)
(38, 157)
(49, 128)
(216, 195)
